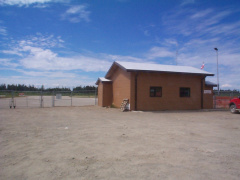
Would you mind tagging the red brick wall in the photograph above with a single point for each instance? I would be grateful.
(107, 94)
(222, 102)
(104, 94)
(170, 84)
(100, 94)
(132, 91)
(120, 86)
(208, 98)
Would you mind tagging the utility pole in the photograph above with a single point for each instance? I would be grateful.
(216, 49)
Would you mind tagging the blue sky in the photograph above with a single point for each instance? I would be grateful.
(73, 42)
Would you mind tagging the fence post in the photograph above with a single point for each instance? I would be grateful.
(214, 101)
(95, 96)
(53, 99)
(12, 100)
(71, 98)
(27, 100)
(41, 100)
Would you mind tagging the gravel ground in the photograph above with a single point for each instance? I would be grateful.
(102, 143)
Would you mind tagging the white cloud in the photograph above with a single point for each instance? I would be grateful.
(40, 40)
(168, 42)
(201, 14)
(36, 53)
(75, 9)
(77, 14)
(200, 42)
(49, 81)
(7, 63)
(226, 29)
(39, 65)
(14, 52)
(38, 3)
(228, 81)
(230, 59)
(45, 59)
(226, 86)
(186, 2)
(159, 52)
(41, 5)
(191, 22)
(49, 74)
(3, 31)
(37, 41)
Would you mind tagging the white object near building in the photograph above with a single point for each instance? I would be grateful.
(58, 96)
(207, 92)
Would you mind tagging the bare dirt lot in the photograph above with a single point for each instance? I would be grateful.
(99, 143)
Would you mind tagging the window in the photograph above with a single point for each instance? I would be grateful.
(184, 92)
(155, 91)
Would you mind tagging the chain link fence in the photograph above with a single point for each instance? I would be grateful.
(41, 99)
(31, 99)
(221, 100)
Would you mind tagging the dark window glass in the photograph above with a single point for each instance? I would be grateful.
(184, 92)
(155, 91)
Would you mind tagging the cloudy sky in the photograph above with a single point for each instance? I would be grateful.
(70, 43)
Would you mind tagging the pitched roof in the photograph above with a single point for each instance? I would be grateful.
(131, 66)
(102, 79)
(208, 83)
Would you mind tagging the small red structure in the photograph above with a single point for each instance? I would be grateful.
(21, 94)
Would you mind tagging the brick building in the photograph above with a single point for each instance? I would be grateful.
(155, 87)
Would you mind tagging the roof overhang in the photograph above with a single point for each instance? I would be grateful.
(169, 72)
(103, 80)
(112, 69)
(152, 69)
(208, 83)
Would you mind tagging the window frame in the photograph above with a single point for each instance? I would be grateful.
(155, 91)
(185, 94)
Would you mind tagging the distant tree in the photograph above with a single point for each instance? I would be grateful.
(22, 87)
(3, 87)
(11, 87)
(78, 88)
(58, 89)
(85, 88)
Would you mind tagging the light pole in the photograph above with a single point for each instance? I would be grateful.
(216, 49)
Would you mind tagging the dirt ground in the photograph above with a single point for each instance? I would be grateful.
(100, 143)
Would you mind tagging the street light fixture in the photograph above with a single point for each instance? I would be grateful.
(216, 49)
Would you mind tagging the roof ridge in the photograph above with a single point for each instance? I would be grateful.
(153, 67)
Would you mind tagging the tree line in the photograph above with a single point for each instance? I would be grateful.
(22, 87)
